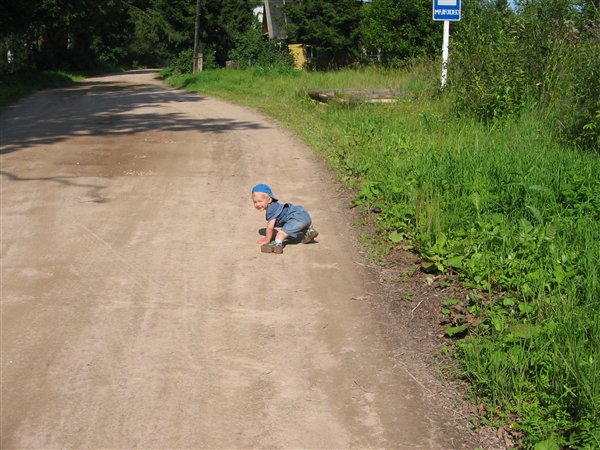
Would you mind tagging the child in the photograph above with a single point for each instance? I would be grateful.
(292, 221)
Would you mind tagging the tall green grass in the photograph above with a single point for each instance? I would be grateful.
(547, 52)
(515, 214)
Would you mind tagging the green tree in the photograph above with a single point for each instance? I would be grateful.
(60, 33)
(253, 51)
(86, 33)
(399, 29)
(331, 27)
(163, 29)
(15, 16)
(223, 23)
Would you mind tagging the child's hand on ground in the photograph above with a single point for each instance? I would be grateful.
(261, 240)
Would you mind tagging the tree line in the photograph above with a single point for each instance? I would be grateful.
(85, 34)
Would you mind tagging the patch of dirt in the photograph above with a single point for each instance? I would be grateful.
(411, 304)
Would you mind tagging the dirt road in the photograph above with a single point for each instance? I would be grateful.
(137, 309)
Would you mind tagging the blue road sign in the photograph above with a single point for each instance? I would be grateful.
(446, 10)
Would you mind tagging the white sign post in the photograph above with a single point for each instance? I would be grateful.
(446, 10)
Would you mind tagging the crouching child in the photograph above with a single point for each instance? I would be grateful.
(285, 221)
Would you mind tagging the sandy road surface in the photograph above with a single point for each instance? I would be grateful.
(137, 309)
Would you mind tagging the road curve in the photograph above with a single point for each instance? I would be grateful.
(137, 309)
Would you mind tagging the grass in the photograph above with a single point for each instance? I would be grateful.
(18, 85)
(515, 214)
(24, 82)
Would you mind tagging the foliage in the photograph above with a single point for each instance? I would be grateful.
(162, 29)
(576, 107)
(332, 28)
(252, 50)
(19, 59)
(487, 64)
(223, 22)
(59, 34)
(397, 30)
(166, 28)
(544, 55)
(184, 61)
(512, 213)
(81, 34)
(19, 84)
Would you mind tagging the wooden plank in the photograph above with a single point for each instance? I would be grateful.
(353, 96)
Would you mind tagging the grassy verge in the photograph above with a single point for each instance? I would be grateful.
(18, 85)
(514, 214)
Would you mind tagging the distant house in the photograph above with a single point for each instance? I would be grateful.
(274, 19)
(273, 27)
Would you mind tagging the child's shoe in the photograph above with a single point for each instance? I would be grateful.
(271, 247)
(309, 235)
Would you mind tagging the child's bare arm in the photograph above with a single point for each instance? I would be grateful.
(268, 233)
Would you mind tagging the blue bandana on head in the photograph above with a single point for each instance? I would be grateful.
(265, 189)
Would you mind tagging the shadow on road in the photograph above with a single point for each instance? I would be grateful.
(93, 191)
(101, 108)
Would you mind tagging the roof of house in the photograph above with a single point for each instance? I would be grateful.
(274, 18)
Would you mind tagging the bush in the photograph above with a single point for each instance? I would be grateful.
(576, 108)
(545, 54)
(253, 51)
(399, 30)
(184, 61)
(20, 56)
(487, 62)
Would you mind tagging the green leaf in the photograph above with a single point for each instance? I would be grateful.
(441, 240)
(396, 237)
(432, 268)
(509, 301)
(498, 323)
(535, 212)
(455, 262)
(548, 444)
(535, 275)
(525, 308)
(450, 302)
(523, 330)
(453, 331)
(476, 199)
(559, 274)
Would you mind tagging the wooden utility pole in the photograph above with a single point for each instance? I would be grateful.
(197, 52)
